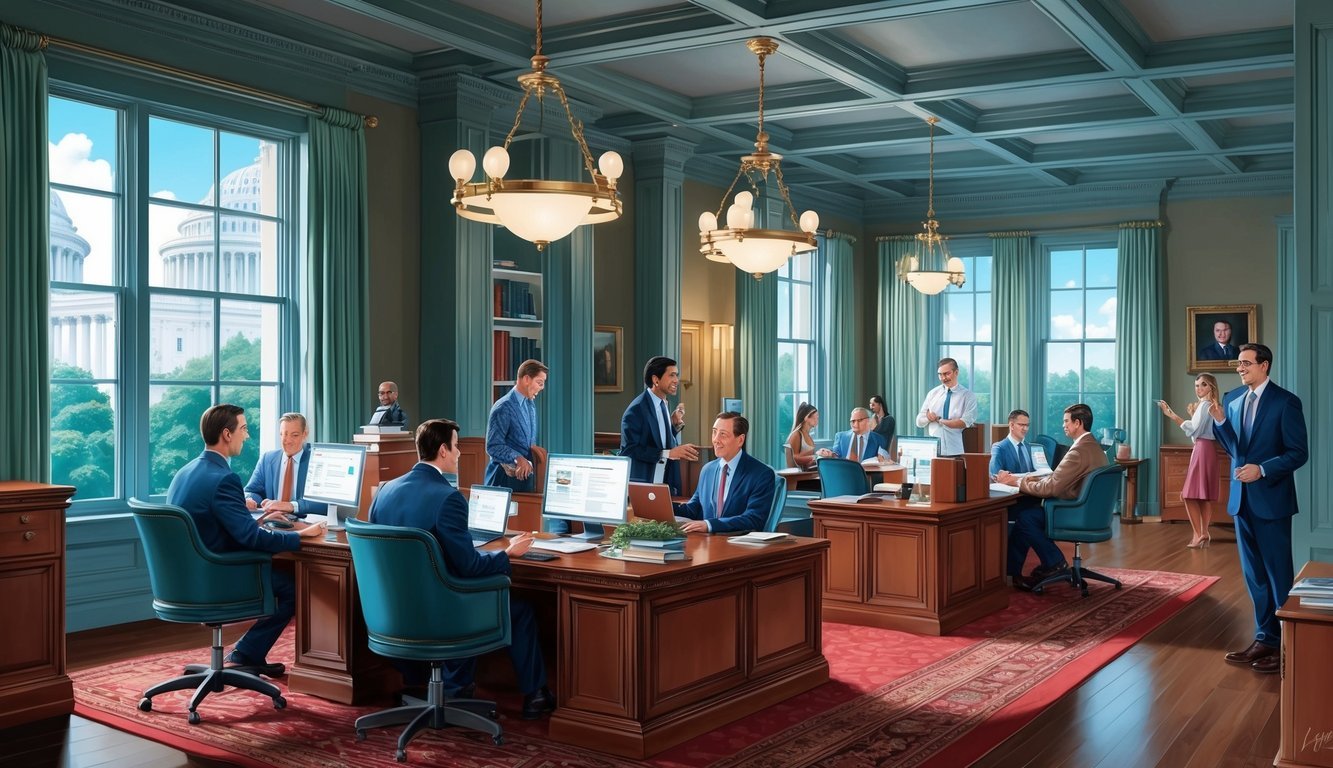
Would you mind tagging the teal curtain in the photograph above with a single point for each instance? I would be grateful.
(338, 247)
(25, 409)
(757, 364)
(1138, 349)
(842, 364)
(901, 324)
(1014, 287)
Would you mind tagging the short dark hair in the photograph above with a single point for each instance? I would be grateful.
(1015, 413)
(1262, 354)
(434, 434)
(740, 426)
(656, 367)
(949, 360)
(1082, 413)
(1227, 323)
(220, 417)
(532, 368)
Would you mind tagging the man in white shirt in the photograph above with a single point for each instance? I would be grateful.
(948, 410)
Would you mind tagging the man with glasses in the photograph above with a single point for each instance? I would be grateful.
(389, 412)
(858, 443)
(948, 410)
(211, 492)
(1013, 455)
(1263, 430)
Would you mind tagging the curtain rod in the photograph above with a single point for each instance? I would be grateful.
(1138, 224)
(370, 121)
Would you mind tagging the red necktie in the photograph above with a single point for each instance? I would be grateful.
(288, 479)
(721, 491)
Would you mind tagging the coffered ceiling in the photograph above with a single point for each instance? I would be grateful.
(1032, 94)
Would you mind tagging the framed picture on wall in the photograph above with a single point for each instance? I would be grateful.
(606, 354)
(1215, 332)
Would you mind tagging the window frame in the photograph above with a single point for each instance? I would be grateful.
(970, 249)
(816, 346)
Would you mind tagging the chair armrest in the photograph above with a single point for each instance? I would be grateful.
(237, 558)
(479, 584)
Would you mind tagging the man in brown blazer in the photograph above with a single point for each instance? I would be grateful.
(1085, 455)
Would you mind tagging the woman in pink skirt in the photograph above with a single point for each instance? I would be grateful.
(1200, 489)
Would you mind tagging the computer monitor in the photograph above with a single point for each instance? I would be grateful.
(733, 404)
(590, 489)
(334, 478)
(915, 453)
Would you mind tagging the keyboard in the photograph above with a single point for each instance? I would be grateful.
(540, 557)
(566, 546)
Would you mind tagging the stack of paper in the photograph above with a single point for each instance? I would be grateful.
(1315, 592)
(758, 538)
(1007, 490)
(567, 546)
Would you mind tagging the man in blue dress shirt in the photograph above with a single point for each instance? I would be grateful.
(211, 492)
(278, 482)
(649, 429)
(511, 431)
(735, 490)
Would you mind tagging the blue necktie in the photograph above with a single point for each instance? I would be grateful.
(666, 424)
(721, 493)
(1247, 420)
(948, 398)
(1024, 463)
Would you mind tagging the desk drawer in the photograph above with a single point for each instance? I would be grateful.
(29, 533)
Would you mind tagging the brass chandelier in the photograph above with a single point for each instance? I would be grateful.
(738, 242)
(929, 268)
(538, 210)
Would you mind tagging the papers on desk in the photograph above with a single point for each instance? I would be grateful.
(564, 546)
(758, 538)
(880, 465)
(886, 487)
(1001, 488)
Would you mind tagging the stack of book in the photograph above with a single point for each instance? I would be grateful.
(1315, 592)
(655, 551)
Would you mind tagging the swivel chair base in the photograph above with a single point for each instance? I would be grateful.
(435, 713)
(212, 679)
(1077, 576)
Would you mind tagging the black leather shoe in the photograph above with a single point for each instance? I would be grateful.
(538, 703)
(241, 661)
(1255, 652)
(1041, 572)
(1268, 665)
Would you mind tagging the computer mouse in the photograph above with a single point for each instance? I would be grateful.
(278, 524)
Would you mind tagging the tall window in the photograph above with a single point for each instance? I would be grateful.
(965, 331)
(1080, 346)
(207, 278)
(796, 336)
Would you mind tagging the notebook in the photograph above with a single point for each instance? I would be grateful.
(652, 501)
(487, 513)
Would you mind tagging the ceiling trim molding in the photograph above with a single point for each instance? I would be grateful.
(1010, 202)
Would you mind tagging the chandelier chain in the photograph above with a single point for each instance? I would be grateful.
(930, 206)
(539, 27)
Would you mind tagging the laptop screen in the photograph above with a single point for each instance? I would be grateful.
(488, 509)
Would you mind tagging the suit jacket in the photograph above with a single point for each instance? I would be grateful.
(395, 415)
(641, 441)
(511, 431)
(1085, 455)
(749, 498)
(266, 482)
(1004, 456)
(842, 443)
(212, 494)
(1215, 352)
(1278, 444)
(423, 498)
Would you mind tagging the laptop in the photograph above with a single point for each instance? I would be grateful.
(652, 501)
(487, 513)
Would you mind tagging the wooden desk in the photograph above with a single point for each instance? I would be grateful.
(647, 656)
(925, 568)
(1131, 499)
(1307, 676)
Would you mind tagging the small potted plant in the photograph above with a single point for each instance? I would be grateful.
(647, 533)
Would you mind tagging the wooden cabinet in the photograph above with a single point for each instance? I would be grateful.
(1173, 460)
(1307, 676)
(33, 683)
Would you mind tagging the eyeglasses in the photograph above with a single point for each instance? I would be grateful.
(863, 418)
(946, 374)
(1246, 363)
(1023, 424)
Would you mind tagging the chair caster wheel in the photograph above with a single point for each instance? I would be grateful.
(401, 756)
(360, 734)
(145, 704)
(279, 702)
(494, 714)
(1038, 590)
(497, 740)
(193, 718)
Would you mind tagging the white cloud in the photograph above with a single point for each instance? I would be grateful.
(69, 163)
(1066, 327)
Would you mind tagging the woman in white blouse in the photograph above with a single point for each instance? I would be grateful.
(1200, 489)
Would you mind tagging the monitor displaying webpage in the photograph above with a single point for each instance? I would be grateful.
(916, 454)
(487, 508)
(334, 475)
(587, 488)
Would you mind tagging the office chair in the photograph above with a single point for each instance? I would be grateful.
(1085, 519)
(192, 584)
(797, 524)
(841, 477)
(416, 611)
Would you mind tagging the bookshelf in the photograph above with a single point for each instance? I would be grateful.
(516, 319)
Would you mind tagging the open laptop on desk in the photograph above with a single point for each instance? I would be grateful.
(652, 501)
(487, 513)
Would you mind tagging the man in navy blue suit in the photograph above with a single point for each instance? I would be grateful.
(424, 498)
(735, 490)
(211, 492)
(278, 482)
(858, 443)
(649, 429)
(1264, 432)
(1223, 349)
(1028, 515)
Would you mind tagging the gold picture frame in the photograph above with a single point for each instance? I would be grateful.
(607, 351)
(1208, 325)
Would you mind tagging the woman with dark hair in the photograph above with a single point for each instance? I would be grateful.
(801, 442)
(882, 423)
(1200, 489)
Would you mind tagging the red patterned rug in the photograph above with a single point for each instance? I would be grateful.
(894, 699)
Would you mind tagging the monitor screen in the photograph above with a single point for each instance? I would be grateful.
(334, 475)
(592, 489)
(733, 404)
(915, 453)
(488, 508)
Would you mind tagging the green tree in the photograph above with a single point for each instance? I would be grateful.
(83, 433)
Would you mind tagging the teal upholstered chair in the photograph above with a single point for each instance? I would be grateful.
(1084, 520)
(842, 477)
(417, 611)
(779, 501)
(192, 584)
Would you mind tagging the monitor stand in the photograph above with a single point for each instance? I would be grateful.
(591, 532)
(335, 519)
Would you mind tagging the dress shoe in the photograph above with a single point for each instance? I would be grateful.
(538, 703)
(238, 660)
(1255, 652)
(1041, 571)
(1268, 665)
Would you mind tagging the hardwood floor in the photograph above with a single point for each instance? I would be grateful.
(1170, 701)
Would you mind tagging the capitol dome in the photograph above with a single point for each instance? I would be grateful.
(68, 249)
(187, 260)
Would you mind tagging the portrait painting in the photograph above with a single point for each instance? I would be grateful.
(606, 354)
(1215, 333)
